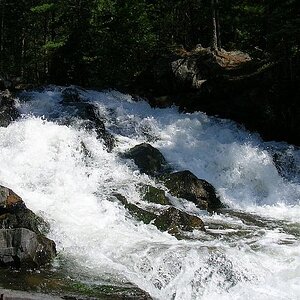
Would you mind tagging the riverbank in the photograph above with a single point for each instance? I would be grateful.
(263, 95)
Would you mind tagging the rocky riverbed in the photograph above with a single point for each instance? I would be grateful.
(141, 203)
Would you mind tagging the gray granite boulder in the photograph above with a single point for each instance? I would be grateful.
(22, 243)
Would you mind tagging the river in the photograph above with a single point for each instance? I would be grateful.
(250, 251)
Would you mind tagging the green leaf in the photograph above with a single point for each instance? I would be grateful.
(43, 8)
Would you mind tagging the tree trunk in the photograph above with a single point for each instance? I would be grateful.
(1, 35)
(22, 54)
(214, 38)
(218, 24)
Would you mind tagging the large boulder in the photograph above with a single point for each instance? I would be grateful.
(8, 198)
(22, 243)
(8, 111)
(148, 159)
(185, 184)
(15, 214)
(22, 247)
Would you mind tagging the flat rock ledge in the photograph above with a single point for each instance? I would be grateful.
(6, 294)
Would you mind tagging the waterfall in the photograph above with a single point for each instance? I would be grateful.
(250, 251)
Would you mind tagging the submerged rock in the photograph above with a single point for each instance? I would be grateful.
(148, 159)
(152, 194)
(137, 212)
(88, 113)
(21, 242)
(8, 111)
(185, 184)
(174, 220)
(71, 94)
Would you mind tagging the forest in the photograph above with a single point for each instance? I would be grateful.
(108, 43)
(150, 149)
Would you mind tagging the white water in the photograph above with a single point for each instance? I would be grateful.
(42, 160)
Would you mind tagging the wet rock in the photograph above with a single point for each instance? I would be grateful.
(185, 184)
(71, 94)
(21, 295)
(173, 220)
(137, 212)
(8, 111)
(8, 198)
(152, 194)
(21, 247)
(15, 214)
(21, 242)
(64, 287)
(22, 217)
(88, 112)
(148, 159)
(92, 121)
(84, 150)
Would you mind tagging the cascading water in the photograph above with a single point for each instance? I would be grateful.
(250, 251)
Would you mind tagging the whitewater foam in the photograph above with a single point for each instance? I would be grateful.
(43, 161)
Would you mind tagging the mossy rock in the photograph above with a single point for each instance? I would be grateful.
(57, 284)
(152, 194)
(174, 220)
(185, 184)
(137, 212)
(148, 159)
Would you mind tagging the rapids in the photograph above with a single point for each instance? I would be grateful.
(250, 251)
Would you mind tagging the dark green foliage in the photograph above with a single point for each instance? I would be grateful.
(110, 42)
